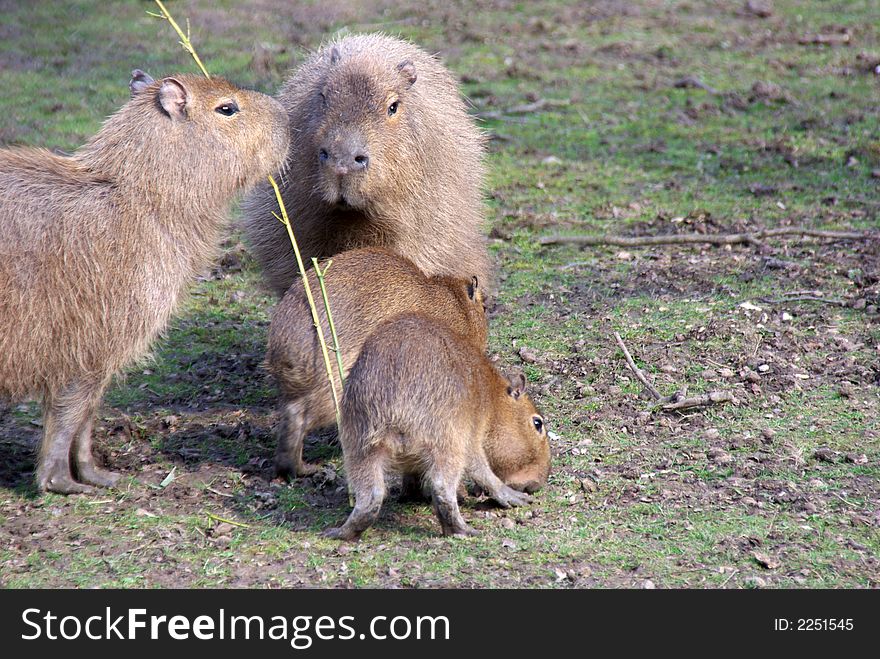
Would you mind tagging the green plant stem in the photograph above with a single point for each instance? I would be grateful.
(320, 274)
(302, 269)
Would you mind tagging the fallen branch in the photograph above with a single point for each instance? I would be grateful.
(678, 401)
(803, 298)
(528, 108)
(635, 369)
(712, 239)
(692, 82)
(703, 400)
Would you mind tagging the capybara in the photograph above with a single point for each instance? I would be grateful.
(97, 248)
(420, 400)
(364, 287)
(383, 153)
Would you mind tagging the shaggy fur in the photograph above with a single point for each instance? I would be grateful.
(360, 177)
(97, 248)
(420, 400)
(365, 287)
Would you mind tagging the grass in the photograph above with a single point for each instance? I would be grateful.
(677, 500)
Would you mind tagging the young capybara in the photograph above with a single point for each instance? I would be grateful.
(383, 154)
(365, 287)
(420, 400)
(98, 247)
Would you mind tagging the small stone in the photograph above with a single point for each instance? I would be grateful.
(766, 560)
(824, 454)
(859, 304)
(719, 456)
(871, 309)
(508, 544)
(726, 373)
(767, 435)
(708, 374)
(647, 584)
(749, 501)
(756, 582)
(763, 368)
(508, 523)
(852, 161)
(845, 390)
(875, 173)
(712, 433)
(786, 317)
(528, 355)
(588, 485)
(857, 458)
(551, 160)
(624, 256)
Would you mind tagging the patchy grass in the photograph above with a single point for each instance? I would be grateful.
(790, 472)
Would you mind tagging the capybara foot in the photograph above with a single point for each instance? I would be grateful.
(100, 477)
(62, 483)
(342, 533)
(288, 470)
(508, 497)
(461, 531)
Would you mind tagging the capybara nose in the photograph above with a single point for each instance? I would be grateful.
(361, 161)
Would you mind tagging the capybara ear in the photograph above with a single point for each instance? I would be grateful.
(334, 55)
(140, 80)
(516, 385)
(408, 71)
(473, 288)
(173, 97)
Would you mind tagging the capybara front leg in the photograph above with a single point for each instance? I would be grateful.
(445, 501)
(505, 495)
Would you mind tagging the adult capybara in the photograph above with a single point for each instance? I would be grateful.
(383, 154)
(420, 400)
(97, 248)
(365, 287)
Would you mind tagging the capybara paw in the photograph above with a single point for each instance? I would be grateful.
(64, 484)
(463, 531)
(508, 497)
(341, 533)
(98, 477)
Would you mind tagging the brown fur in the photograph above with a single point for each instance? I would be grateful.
(97, 248)
(365, 287)
(416, 190)
(421, 400)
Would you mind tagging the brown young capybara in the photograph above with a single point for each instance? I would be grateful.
(383, 154)
(420, 400)
(97, 248)
(365, 287)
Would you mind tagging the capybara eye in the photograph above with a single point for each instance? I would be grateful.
(227, 109)
(538, 422)
(392, 109)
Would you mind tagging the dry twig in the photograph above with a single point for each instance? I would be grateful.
(712, 239)
(636, 370)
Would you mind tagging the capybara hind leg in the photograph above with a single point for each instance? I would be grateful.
(86, 470)
(483, 475)
(64, 417)
(366, 478)
(445, 501)
(292, 429)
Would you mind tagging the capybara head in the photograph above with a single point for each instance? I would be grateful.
(517, 447)
(365, 130)
(242, 134)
